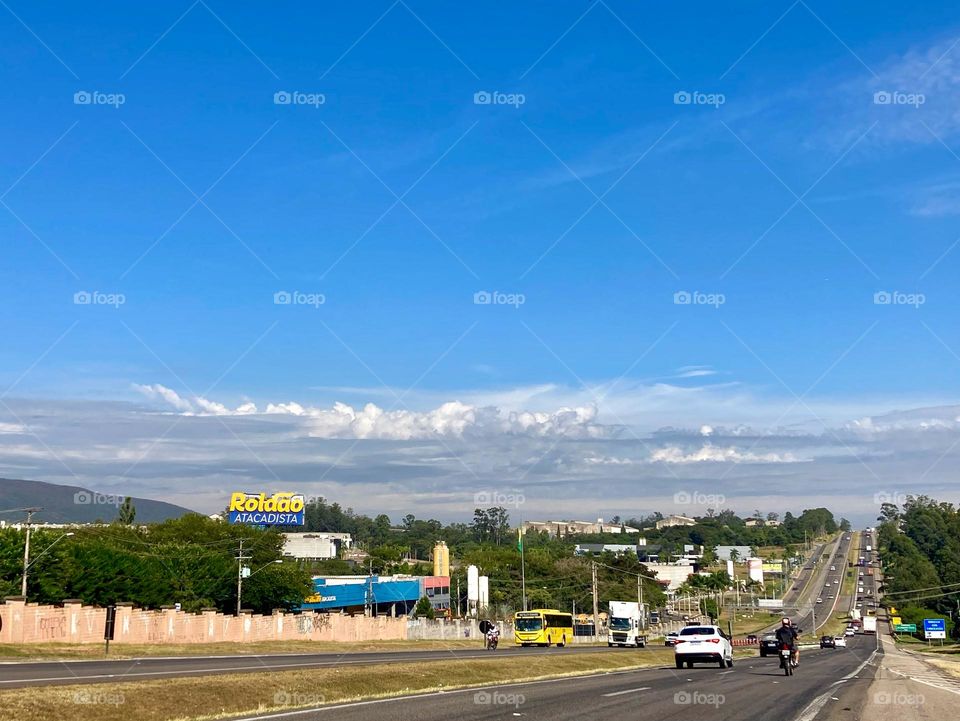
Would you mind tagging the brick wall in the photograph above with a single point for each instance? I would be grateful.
(22, 622)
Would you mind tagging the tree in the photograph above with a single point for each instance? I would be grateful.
(127, 512)
(423, 609)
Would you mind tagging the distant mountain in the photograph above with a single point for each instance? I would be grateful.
(66, 504)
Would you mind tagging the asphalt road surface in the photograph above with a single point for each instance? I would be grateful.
(14, 675)
(755, 689)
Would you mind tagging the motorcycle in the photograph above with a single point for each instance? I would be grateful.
(492, 640)
(786, 660)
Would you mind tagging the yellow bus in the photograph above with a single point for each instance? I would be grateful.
(543, 627)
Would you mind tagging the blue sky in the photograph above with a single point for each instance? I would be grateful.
(786, 194)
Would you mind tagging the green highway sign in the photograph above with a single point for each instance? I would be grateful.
(905, 628)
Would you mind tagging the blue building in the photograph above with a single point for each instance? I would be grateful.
(387, 595)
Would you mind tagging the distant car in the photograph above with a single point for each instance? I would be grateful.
(850, 631)
(828, 642)
(839, 642)
(707, 644)
(671, 639)
(819, 600)
(833, 568)
(752, 638)
(769, 645)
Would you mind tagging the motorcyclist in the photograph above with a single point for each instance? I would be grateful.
(493, 636)
(787, 638)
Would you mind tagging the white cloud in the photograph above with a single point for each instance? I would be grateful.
(453, 419)
(13, 428)
(715, 454)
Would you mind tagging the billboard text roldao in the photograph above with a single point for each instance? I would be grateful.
(278, 509)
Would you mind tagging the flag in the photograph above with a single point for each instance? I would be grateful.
(520, 540)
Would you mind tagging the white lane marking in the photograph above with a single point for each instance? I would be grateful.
(629, 690)
(316, 709)
(814, 707)
(724, 673)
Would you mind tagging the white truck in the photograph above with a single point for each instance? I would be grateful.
(626, 625)
(870, 624)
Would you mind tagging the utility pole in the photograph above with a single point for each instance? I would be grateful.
(26, 551)
(240, 559)
(596, 603)
(643, 613)
(368, 601)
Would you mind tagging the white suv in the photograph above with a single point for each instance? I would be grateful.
(703, 643)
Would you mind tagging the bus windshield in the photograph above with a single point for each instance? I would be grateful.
(620, 624)
(528, 624)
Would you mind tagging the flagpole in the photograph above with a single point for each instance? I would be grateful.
(523, 567)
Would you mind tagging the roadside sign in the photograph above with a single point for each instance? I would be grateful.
(896, 620)
(934, 628)
(905, 627)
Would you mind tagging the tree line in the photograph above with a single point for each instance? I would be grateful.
(919, 545)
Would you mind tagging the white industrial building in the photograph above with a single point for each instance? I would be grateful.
(319, 546)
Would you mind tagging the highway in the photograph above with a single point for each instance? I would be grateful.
(45, 673)
(753, 690)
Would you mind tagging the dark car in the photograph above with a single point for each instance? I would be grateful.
(671, 639)
(752, 638)
(828, 642)
(769, 645)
